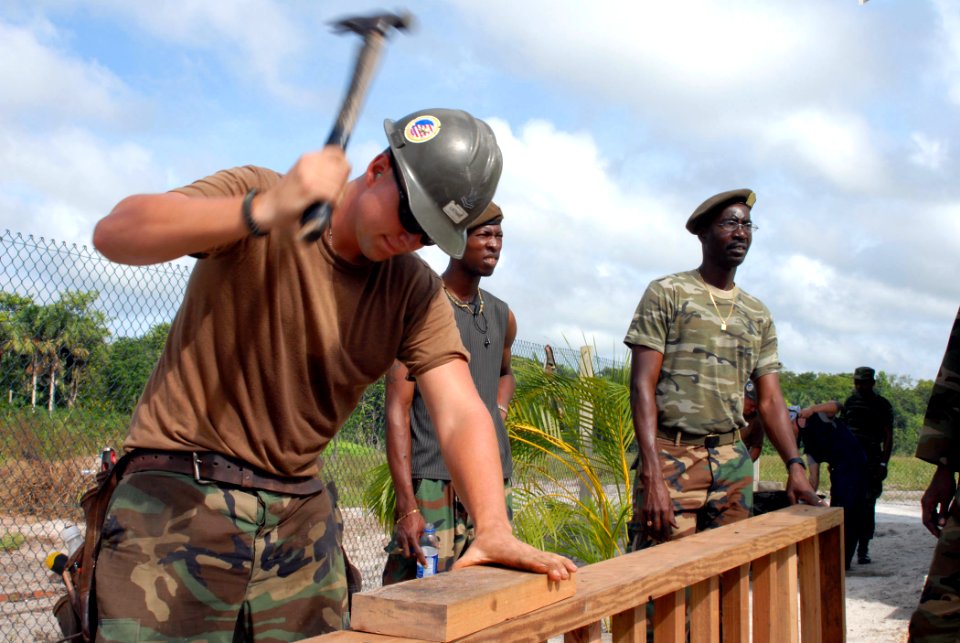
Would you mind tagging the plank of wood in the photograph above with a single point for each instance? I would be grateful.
(630, 626)
(455, 604)
(832, 593)
(587, 634)
(705, 611)
(735, 601)
(622, 584)
(808, 552)
(788, 631)
(669, 618)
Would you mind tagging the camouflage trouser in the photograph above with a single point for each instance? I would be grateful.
(937, 617)
(439, 505)
(710, 486)
(188, 561)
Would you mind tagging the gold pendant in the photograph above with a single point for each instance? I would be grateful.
(723, 325)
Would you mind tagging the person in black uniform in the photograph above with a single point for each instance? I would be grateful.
(825, 438)
(870, 418)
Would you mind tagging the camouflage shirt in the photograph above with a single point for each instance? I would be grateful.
(939, 441)
(700, 390)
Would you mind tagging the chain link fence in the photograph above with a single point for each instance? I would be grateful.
(79, 336)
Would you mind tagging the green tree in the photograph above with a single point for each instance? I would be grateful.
(126, 365)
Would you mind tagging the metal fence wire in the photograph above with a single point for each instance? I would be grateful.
(79, 336)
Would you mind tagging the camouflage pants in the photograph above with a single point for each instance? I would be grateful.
(937, 617)
(710, 486)
(439, 505)
(187, 561)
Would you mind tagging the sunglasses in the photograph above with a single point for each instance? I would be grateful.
(407, 220)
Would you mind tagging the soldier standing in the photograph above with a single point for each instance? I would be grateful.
(696, 338)
(937, 617)
(870, 418)
(423, 485)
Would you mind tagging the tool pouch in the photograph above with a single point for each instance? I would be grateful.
(77, 611)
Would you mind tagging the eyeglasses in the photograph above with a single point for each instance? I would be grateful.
(407, 219)
(731, 225)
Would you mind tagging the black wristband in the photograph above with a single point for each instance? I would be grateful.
(796, 460)
(245, 209)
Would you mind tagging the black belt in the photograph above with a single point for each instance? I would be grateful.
(712, 440)
(207, 467)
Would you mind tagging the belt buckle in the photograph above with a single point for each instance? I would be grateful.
(196, 470)
(711, 441)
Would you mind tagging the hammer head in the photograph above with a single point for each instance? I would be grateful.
(379, 24)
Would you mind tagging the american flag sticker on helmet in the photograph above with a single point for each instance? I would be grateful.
(422, 128)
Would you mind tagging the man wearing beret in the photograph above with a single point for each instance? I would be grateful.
(422, 482)
(870, 417)
(696, 339)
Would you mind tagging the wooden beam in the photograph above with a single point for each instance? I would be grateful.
(832, 594)
(705, 611)
(630, 626)
(669, 618)
(586, 634)
(788, 630)
(735, 604)
(617, 585)
(765, 603)
(808, 552)
(447, 606)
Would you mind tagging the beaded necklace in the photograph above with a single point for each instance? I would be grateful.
(479, 319)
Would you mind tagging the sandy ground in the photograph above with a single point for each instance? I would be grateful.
(880, 596)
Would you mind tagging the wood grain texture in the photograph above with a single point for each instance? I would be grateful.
(621, 585)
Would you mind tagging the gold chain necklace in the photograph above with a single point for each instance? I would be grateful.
(467, 307)
(723, 320)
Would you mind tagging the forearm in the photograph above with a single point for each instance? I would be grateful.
(830, 408)
(153, 228)
(468, 442)
(473, 460)
(505, 389)
(398, 459)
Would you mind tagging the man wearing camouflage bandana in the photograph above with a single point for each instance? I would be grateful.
(696, 339)
(937, 617)
(423, 487)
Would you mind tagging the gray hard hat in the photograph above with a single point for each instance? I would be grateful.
(450, 165)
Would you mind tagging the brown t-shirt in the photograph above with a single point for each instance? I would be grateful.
(277, 339)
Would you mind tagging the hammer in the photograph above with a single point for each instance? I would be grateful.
(374, 30)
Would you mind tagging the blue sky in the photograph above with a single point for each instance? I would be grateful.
(616, 119)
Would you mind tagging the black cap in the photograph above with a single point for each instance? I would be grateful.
(864, 373)
(718, 202)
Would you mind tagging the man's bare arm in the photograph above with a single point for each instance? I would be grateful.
(399, 398)
(507, 383)
(152, 228)
(656, 514)
(469, 447)
(773, 411)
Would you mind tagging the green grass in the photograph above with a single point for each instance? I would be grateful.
(906, 473)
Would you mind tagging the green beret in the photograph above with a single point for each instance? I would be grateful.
(490, 216)
(716, 203)
(864, 373)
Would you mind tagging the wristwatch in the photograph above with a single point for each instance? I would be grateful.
(796, 460)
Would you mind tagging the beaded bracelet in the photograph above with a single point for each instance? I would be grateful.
(245, 209)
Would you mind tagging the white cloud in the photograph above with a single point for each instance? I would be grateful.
(949, 14)
(42, 81)
(928, 153)
(837, 147)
